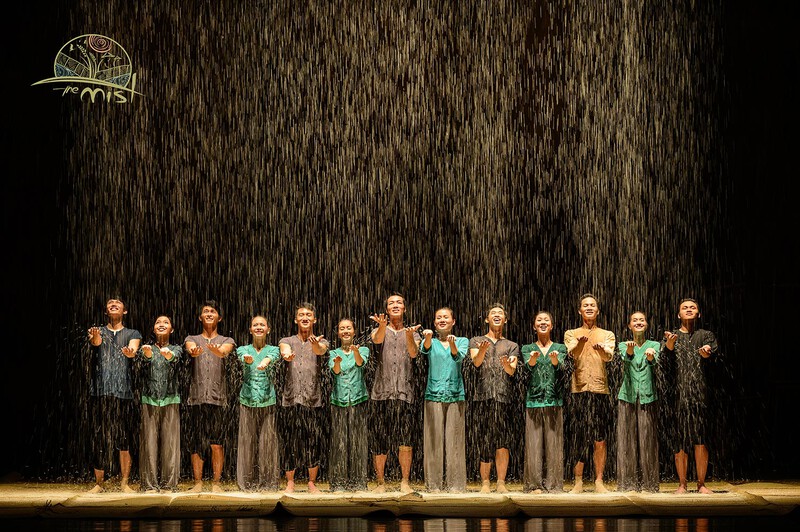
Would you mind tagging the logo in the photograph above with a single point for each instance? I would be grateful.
(98, 64)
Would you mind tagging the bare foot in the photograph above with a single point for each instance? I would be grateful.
(96, 489)
(380, 488)
(125, 487)
(312, 488)
(216, 487)
(578, 488)
(501, 486)
(599, 487)
(704, 490)
(197, 488)
(485, 487)
(537, 491)
(151, 491)
(289, 486)
(681, 490)
(405, 487)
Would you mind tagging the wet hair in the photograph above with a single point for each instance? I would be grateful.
(260, 316)
(587, 295)
(448, 309)
(165, 316)
(496, 305)
(351, 320)
(643, 313)
(117, 298)
(210, 303)
(393, 294)
(685, 299)
(306, 305)
(546, 312)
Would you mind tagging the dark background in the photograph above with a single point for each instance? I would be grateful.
(459, 155)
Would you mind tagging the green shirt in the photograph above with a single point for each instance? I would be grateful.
(547, 382)
(638, 379)
(161, 381)
(349, 388)
(445, 383)
(257, 389)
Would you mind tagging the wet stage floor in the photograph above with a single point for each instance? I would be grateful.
(72, 501)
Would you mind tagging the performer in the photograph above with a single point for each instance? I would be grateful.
(302, 397)
(392, 409)
(258, 440)
(443, 434)
(591, 349)
(111, 396)
(208, 394)
(637, 410)
(690, 351)
(349, 445)
(549, 368)
(161, 418)
(495, 357)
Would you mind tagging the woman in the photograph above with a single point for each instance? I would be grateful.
(349, 445)
(258, 441)
(443, 435)
(547, 363)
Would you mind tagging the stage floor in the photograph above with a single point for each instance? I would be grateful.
(71, 500)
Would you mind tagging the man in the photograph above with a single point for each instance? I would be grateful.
(208, 394)
(591, 349)
(393, 411)
(495, 358)
(111, 401)
(302, 404)
(690, 350)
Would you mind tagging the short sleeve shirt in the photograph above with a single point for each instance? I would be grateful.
(493, 382)
(257, 388)
(394, 368)
(688, 381)
(303, 384)
(208, 373)
(111, 368)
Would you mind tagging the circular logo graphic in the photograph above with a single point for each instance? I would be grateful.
(94, 56)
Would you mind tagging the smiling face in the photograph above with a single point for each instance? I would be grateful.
(543, 323)
(638, 322)
(305, 319)
(444, 321)
(209, 316)
(163, 326)
(688, 310)
(346, 330)
(497, 317)
(395, 306)
(589, 309)
(259, 327)
(115, 309)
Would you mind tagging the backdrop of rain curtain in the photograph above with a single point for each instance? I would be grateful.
(461, 153)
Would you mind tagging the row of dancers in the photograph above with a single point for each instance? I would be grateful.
(388, 409)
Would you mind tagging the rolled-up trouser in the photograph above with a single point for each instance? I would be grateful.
(113, 420)
(349, 447)
(258, 443)
(160, 444)
(544, 439)
(637, 446)
(444, 445)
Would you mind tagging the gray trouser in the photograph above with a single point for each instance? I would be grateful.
(444, 445)
(258, 440)
(161, 436)
(544, 439)
(349, 447)
(637, 446)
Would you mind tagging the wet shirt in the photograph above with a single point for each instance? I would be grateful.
(492, 380)
(208, 373)
(638, 373)
(303, 384)
(111, 368)
(686, 368)
(257, 388)
(589, 374)
(394, 368)
(349, 388)
(445, 383)
(161, 377)
(547, 382)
